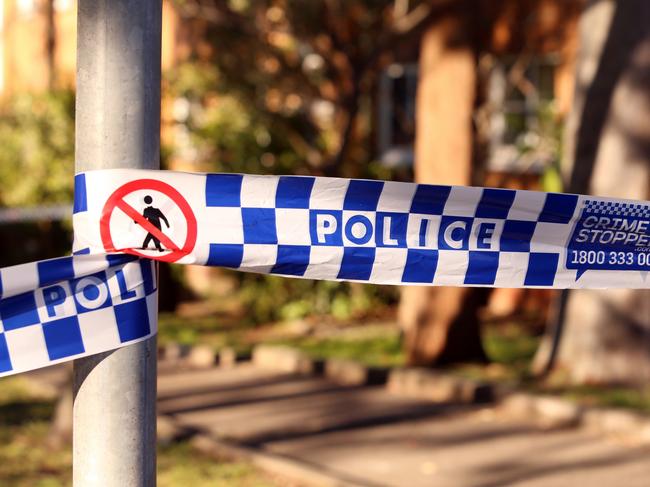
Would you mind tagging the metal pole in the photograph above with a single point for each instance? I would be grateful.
(117, 126)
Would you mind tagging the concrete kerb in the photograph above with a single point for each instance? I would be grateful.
(554, 412)
(227, 357)
(438, 386)
(548, 412)
(173, 352)
(628, 425)
(283, 359)
(169, 431)
(199, 356)
(341, 371)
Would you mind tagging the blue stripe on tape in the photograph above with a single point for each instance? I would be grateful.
(357, 263)
(542, 268)
(517, 235)
(259, 226)
(18, 311)
(420, 266)
(132, 320)
(558, 208)
(292, 260)
(226, 255)
(294, 192)
(495, 203)
(146, 267)
(55, 270)
(80, 196)
(223, 190)
(116, 260)
(5, 358)
(362, 195)
(430, 200)
(63, 338)
(482, 268)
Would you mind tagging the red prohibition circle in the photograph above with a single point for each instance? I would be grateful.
(116, 200)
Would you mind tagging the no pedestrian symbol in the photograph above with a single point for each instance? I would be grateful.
(151, 214)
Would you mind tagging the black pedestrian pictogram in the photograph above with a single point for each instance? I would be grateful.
(153, 216)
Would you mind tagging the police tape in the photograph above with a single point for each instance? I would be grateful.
(369, 231)
(105, 295)
(61, 309)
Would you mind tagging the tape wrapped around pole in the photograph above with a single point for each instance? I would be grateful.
(66, 308)
(369, 231)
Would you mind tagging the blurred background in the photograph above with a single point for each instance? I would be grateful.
(550, 95)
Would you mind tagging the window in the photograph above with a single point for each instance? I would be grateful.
(523, 131)
(396, 117)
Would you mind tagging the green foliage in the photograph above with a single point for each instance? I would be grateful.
(542, 142)
(225, 133)
(36, 168)
(375, 350)
(180, 465)
(271, 298)
(37, 156)
(510, 344)
(25, 462)
(172, 328)
(303, 69)
(552, 179)
(551, 131)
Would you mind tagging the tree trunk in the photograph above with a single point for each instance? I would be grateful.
(607, 333)
(50, 43)
(60, 432)
(441, 324)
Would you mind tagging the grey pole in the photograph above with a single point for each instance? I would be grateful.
(117, 126)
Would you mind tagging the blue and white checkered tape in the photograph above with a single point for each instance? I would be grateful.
(61, 309)
(310, 227)
(369, 231)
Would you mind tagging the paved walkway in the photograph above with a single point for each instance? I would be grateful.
(364, 436)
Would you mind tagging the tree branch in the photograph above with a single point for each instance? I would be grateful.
(412, 24)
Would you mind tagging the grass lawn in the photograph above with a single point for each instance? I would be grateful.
(375, 346)
(26, 462)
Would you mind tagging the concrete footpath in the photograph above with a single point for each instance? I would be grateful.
(318, 432)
